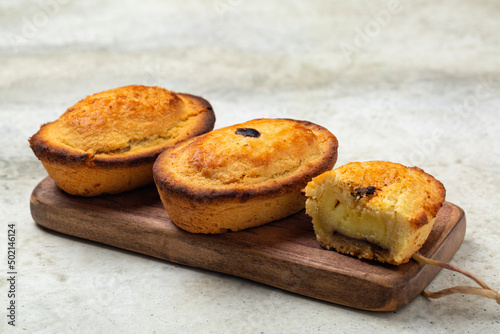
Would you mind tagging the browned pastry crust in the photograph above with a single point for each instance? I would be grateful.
(374, 210)
(243, 175)
(107, 143)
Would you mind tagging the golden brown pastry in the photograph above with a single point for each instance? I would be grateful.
(374, 210)
(243, 175)
(107, 143)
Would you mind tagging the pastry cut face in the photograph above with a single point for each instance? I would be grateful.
(243, 175)
(374, 210)
(107, 143)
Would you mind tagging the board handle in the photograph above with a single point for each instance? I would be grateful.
(483, 291)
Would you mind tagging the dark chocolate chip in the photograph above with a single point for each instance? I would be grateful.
(248, 132)
(362, 192)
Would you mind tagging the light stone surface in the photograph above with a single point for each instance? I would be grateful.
(415, 82)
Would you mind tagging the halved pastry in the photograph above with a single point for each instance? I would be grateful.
(107, 143)
(243, 175)
(374, 210)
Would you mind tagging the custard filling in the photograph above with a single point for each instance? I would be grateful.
(339, 213)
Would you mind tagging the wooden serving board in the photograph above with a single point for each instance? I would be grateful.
(282, 254)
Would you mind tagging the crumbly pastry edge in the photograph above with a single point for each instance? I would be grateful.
(370, 251)
(420, 218)
(363, 249)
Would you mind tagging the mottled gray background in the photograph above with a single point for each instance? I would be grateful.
(415, 82)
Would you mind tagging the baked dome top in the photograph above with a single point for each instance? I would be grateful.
(125, 120)
(253, 155)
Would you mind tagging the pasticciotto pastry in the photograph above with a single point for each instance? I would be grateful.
(374, 210)
(107, 143)
(244, 175)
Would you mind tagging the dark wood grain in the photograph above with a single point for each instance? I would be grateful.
(283, 254)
